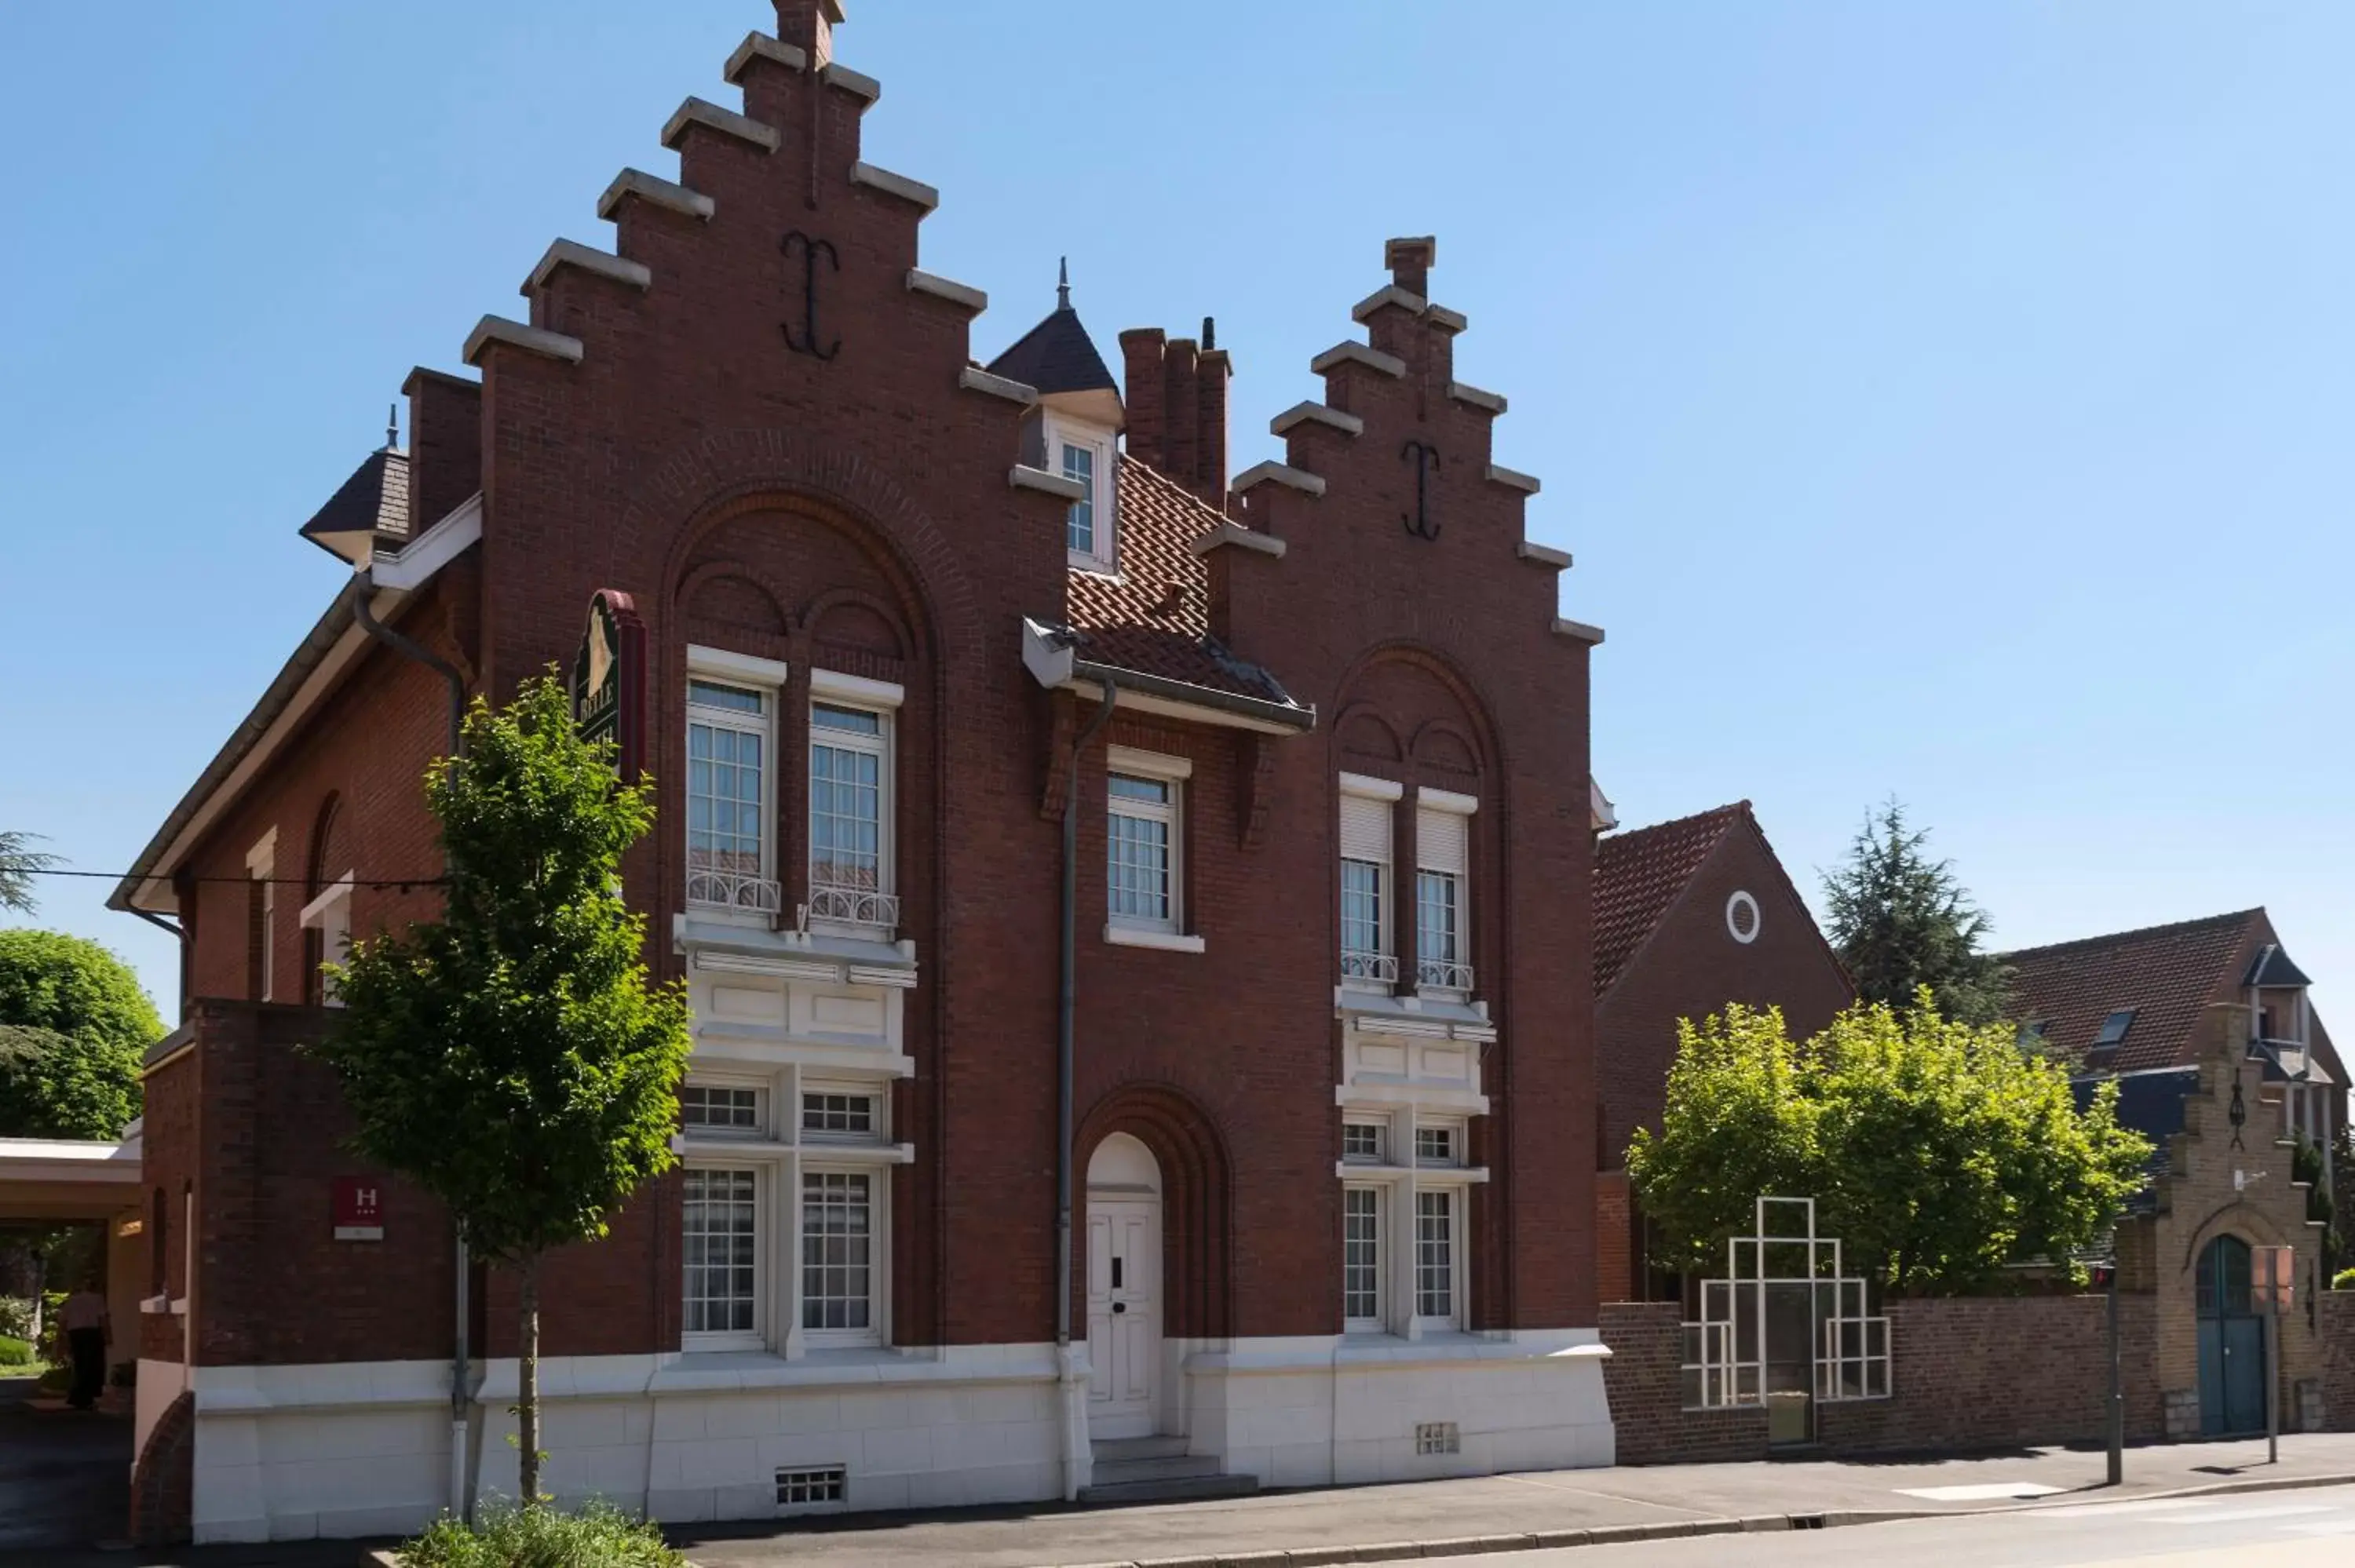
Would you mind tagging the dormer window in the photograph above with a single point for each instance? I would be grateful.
(1084, 454)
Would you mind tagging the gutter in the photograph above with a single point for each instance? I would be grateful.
(1074, 1400)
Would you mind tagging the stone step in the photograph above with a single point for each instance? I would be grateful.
(1177, 1489)
(1116, 1448)
(1163, 1467)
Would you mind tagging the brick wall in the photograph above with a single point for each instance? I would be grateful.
(2334, 1321)
(1615, 1242)
(1968, 1375)
(1646, 1395)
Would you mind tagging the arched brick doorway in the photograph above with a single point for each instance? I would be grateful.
(1194, 1201)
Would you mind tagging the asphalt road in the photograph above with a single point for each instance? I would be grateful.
(2302, 1529)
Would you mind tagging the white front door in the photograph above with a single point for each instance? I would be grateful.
(1123, 1315)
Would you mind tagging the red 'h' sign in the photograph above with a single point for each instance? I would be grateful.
(359, 1208)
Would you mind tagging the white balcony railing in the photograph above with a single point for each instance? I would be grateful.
(1437, 974)
(728, 890)
(1377, 968)
(852, 905)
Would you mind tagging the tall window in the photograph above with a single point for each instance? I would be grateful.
(727, 797)
(848, 765)
(1435, 1256)
(1142, 852)
(261, 919)
(1080, 464)
(837, 1261)
(1366, 954)
(720, 1239)
(1361, 1257)
(1442, 856)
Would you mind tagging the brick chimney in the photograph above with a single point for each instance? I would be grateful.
(808, 25)
(1410, 264)
(1176, 395)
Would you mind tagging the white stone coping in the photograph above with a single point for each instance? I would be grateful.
(522, 335)
(1237, 534)
(1312, 413)
(1354, 353)
(1544, 555)
(1166, 941)
(1492, 401)
(923, 282)
(1388, 294)
(1273, 472)
(761, 46)
(974, 378)
(1022, 477)
(601, 264)
(1577, 631)
(835, 74)
(1513, 479)
(711, 117)
(866, 173)
(1431, 1175)
(659, 192)
(1412, 303)
(1392, 1352)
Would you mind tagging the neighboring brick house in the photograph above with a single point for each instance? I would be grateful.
(861, 602)
(1689, 916)
(2135, 1002)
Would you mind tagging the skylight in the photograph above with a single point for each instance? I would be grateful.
(2113, 1029)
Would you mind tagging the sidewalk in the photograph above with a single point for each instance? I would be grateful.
(1318, 1525)
(1388, 1523)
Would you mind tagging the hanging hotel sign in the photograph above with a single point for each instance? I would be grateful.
(608, 679)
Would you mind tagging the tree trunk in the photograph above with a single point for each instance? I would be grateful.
(528, 1383)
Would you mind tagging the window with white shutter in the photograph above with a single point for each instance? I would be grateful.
(1367, 957)
(1442, 835)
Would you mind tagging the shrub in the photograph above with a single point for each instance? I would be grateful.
(16, 1352)
(599, 1536)
(16, 1317)
(2343, 1280)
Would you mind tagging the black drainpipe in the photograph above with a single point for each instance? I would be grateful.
(411, 649)
(1064, 1027)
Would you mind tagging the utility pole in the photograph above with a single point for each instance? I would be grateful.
(2117, 1423)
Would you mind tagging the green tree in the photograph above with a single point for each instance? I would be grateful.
(1901, 921)
(1938, 1151)
(513, 1057)
(19, 862)
(74, 1026)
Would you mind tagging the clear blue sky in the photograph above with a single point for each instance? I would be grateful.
(1945, 399)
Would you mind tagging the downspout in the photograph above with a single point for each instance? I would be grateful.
(411, 649)
(1073, 1397)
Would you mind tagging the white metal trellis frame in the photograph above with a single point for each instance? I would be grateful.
(1725, 1353)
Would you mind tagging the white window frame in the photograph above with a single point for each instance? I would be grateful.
(765, 1115)
(1455, 1130)
(879, 1256)
(878, 1097)
(1445, 802)
(1059, 431)
(1458, 1210)
(763, 1261)
(1357, 1323)
(830, 688)
(330, 915)
(260, 865)
(1137, 930)
(1380, 1126)
(766, 676)
(1383, 962)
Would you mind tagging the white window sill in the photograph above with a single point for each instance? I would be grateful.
(1168, 941)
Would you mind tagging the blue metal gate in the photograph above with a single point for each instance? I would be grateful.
(2232, 1344)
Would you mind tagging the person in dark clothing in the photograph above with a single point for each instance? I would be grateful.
(83, 1317)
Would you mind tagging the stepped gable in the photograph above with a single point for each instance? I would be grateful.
(2167, 974)
(1637, 875)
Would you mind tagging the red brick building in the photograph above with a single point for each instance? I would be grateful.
(881, 615)
(1689, 915)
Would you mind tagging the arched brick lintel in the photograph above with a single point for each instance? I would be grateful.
(1196, 1205)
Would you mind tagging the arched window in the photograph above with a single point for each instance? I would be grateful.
(2224, 1278)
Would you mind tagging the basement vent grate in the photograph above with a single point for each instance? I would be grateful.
(1438, 1438)
(817, 1487)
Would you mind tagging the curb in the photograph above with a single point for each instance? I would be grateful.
(1672, 1529)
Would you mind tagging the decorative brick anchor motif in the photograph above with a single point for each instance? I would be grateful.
(1425, 458)
(808, 342)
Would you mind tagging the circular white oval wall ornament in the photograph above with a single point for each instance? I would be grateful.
(1742, 918)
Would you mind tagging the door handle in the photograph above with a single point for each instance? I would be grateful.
(1120, 1306)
